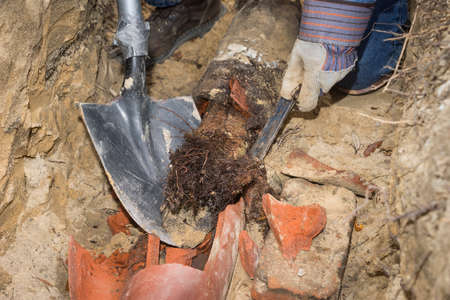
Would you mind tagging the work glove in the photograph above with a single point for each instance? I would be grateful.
(325, 50)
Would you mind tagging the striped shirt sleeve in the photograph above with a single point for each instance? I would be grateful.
(338, 57)
(333, 22)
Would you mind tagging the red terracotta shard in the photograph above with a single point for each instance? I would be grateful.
(184, 256)
(119, 222)
(301, 165)
(103, 277)
(137, 256)
(237, 94)
(180, 256)
(175, 255)
(206, 245)
(202, 106)
(317, 273)
(249, 253)
(294, 227)
(95, 278)
(224, 251)
(153, 244)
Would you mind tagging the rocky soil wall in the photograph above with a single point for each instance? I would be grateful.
(421, 164)
(51, 183)
(53, 56)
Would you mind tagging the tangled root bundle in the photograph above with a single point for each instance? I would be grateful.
(203, 174)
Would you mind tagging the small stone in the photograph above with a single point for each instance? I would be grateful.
(301, 165)
(301, 272)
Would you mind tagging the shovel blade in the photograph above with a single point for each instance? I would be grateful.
(133, 137)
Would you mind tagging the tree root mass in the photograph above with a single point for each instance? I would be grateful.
(203, 174)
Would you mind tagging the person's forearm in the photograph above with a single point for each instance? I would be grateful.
(324, 52)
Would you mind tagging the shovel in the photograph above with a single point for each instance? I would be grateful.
(134, 135)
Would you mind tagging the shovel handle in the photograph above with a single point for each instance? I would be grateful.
(134, 82)
(130, 11)
(132, 37)
(132, 32)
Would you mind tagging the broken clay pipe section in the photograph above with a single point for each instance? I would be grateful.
(301, 165)
(294, 227)
(110, 278)
(175, 281)
(92, 278)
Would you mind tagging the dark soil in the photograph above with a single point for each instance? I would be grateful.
(203, 174)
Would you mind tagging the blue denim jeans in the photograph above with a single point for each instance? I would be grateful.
(163, 3)
(377, 56)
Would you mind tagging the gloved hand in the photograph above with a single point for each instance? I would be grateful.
(324, 53)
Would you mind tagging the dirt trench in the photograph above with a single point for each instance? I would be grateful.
(54, 55)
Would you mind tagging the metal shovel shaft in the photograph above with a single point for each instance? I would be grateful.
(132, 32)
(130, 11)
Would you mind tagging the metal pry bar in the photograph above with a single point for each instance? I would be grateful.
(271, 129)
